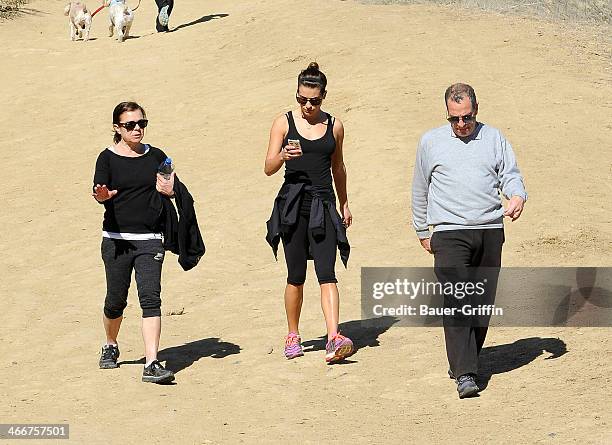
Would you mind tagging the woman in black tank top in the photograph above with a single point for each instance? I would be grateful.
(309, 143)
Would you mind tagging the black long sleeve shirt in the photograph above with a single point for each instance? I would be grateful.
(136, 208)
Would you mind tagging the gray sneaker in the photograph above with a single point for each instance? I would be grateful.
(156, 373)
(109, 356)
(163, 16)
(466, 386)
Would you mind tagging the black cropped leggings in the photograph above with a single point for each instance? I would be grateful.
(323, 249)
(120, 258)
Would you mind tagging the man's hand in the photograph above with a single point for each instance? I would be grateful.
(102, 193)
(515, 208)
(425, 243)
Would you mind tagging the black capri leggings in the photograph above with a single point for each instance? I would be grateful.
(120, 258)
(323, 250)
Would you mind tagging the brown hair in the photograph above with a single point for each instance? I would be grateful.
(122, 108)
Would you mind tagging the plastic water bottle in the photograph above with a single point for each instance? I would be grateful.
(166, 168)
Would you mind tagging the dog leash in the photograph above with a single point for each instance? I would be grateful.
(102, 7)
(97, 10)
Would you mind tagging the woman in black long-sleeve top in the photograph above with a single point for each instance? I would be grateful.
(127, 183)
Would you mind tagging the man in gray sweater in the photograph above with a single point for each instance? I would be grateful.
(459, 173)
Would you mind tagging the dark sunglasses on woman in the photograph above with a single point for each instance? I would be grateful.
(313, 100)
(130, 125)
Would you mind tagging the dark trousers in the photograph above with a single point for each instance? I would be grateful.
(161, 4)
(120, 258)
(469, 255)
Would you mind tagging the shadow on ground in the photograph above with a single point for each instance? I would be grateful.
(9, 13)
(505, 358)
(178, 358)
(202, 19)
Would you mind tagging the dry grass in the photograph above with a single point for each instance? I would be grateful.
(591, 11)
(10, 8)
(589, 21)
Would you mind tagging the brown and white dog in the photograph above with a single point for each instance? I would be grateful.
(120, 18)
(79, 19)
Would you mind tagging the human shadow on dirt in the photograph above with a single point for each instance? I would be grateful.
(584, 304)
(505, 358)
(363, 333)
(180, 357)
(202, 19)
(9, 12)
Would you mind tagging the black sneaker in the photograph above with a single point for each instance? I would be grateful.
(156, 373)
(466, 386)
(109, 356)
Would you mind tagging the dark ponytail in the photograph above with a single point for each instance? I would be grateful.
(312, 77)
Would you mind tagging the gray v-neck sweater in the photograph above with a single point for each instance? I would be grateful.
(457, 182)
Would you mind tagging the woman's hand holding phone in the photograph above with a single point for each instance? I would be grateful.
(292, 150)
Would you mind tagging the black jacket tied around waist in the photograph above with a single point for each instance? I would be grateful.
(286, 211)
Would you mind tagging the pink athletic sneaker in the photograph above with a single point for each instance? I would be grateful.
(338, 348)
(293, 348)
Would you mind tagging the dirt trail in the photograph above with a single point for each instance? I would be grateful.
(211, 89)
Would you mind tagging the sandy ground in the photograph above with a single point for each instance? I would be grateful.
(211, 90)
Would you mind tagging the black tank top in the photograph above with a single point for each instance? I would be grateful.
(314, 166)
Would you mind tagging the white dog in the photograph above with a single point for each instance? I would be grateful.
(120, 18)
(79, 19)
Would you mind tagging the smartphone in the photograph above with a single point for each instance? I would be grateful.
(295, 143)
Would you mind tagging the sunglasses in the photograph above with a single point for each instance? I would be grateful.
(130, 125)
(314, 101)
(466, 119)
